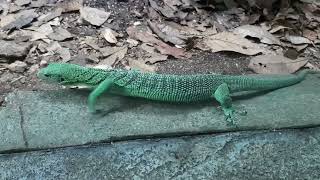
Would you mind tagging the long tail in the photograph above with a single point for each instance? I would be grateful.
(268, 82)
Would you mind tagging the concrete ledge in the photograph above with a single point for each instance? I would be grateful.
(286, 154)
(11, 132)
(60, 118)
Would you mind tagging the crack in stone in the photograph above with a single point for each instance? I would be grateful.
(26, 144)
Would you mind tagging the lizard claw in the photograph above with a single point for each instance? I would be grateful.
(230, 117)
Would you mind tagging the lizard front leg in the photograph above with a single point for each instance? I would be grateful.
(222, 95)
(100, 89)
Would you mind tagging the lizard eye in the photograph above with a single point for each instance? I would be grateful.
(46, 75)
(62, 79)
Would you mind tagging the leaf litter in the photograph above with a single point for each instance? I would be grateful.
(161, 31)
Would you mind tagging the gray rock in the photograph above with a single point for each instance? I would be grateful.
(17, 66)
(10, 49)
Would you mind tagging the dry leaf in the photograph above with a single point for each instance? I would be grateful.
(60, 34)
(109, 35)
(275, 64)
(114, 58)
(135, 64)
(4, 8)
(71, 5)
(168, 33)
(22, 2)
(309, 10)
(137, 32)
(94, 16)
(311, 35)
(147, 37)
(165, 10)
(227, 41)
(168, 50)
(107, 51)
(148, 48)
(257, 32)
(92, 42)
(55, 47)
(49, 16)
(16, 21)
(132, 42)
(311, 66)
(104, 67)
(155, 58)
(38, 3)
(298, 39)
(278, 28)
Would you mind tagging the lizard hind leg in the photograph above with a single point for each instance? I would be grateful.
(100, 89)
(222, 95)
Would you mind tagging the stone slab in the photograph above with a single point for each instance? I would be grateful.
(11, 133)
(285, 154)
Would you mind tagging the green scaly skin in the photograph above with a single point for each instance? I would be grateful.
(161, 87)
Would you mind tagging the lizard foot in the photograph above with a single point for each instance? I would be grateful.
(231, 116)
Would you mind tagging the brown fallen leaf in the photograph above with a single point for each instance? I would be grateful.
(165, 10)
(148, 48)
(56, 48)
(311, 35)
(71, 5)
(22, 2)
(49, 16)
(4, 8)
(310, 10)
(38, 3)
(311, 66)
(154, 58)
(107, 51)
(257, 32)
(168, 50)
(94, 16)
(227, 41)
(278, 28)
(138, 65)
(298, 39)
(167, 33)
(275, 64)
(140, 33)
(60, 34)
(109, 35)
(16, 21)
(13, 8)
(114, 58)
(132, 42)
(147, 37)
(92, 42)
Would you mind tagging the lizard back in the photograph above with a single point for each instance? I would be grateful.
(174, 88)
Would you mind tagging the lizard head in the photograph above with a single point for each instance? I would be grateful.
(62, 73)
